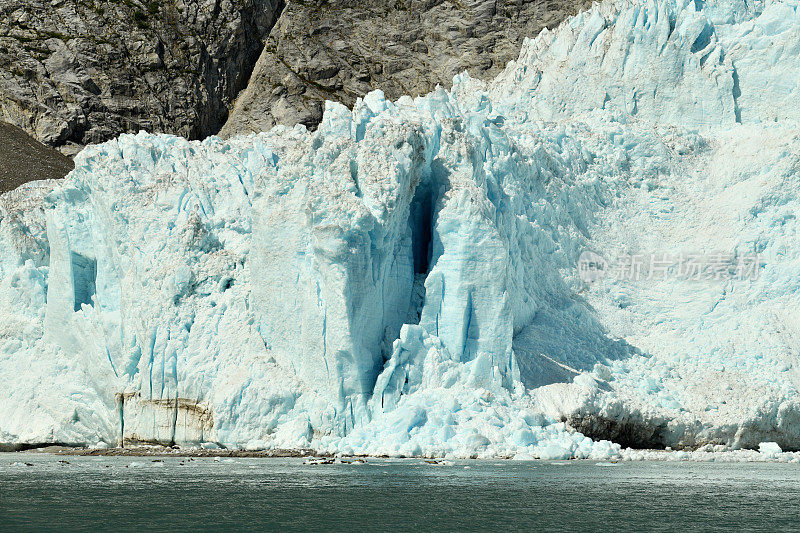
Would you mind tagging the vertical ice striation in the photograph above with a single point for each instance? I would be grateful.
(332, 267)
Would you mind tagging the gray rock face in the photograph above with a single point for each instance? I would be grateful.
(24, 159)
(341, 49)
(74, 72)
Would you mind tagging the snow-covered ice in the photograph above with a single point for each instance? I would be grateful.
(404, 281)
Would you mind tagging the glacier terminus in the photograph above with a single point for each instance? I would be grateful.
(404, 280)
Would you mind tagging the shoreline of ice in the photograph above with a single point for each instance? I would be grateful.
(625, 455)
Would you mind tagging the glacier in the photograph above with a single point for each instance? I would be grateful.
(403, 281)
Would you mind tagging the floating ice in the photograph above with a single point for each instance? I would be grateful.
(769, 449)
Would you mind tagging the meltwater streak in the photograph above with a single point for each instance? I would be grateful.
(124, 493)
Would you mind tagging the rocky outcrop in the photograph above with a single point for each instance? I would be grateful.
(24, 159)
(341, 49)
(74, 72)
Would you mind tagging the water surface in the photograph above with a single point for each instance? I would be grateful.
(134, 493)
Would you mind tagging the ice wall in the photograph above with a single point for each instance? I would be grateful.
(403, 280)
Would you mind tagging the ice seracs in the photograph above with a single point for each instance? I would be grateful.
(403, 281)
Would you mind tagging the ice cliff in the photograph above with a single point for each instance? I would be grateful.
(404, 280)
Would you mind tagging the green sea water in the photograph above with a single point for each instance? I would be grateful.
(177, 494)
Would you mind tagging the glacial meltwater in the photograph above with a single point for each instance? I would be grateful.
(59, 492)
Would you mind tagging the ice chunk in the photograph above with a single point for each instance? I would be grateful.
(769, 449)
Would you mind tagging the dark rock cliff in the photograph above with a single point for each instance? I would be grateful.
(74, 72)
(24, 159)
(341, 49)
